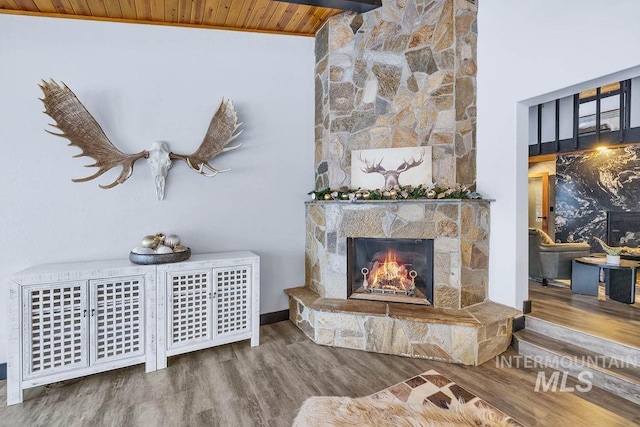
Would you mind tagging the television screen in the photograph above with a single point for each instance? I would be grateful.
(623, 229)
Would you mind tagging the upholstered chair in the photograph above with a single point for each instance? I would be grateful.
(550, 260)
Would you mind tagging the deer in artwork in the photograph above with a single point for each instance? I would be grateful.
(390, 176)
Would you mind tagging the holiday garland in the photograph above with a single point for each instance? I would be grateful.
(406, 192)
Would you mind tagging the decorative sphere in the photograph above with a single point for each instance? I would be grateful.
(160, 237)
(386, 193)
(172, 240)
(180, 248)
(366, 195)
(431, 194)
(393, 193)
(161, 249)
(142, 250)
(344, 196)
(150, 241)
(358, 195)
(327, 196)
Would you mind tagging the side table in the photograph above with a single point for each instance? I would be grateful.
(620, 280)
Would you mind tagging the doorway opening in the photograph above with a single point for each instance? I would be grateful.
(541, 196)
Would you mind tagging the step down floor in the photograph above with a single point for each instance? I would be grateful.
(607, 365)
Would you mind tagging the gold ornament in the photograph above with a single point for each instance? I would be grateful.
(366, 195)
(431, 194)
(150, 241)
(327, 196)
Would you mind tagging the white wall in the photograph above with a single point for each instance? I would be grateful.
(146, 83)
(528, 53)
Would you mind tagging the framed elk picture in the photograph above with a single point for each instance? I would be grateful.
(389, 167)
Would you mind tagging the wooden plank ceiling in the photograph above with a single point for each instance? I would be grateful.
(245, 15)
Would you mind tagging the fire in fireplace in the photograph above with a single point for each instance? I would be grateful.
(396, 270)
(389, 276)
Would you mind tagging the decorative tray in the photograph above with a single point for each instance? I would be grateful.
(148, 259)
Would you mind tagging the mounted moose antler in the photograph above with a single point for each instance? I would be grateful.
(83, 131)
(390, 176)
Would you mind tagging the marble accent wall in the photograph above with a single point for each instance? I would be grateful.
(403, 75)
(590, 184)
(460, 229)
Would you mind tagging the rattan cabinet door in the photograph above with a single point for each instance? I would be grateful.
(117, 318)
(189, 296)
(54, 326)
(232, 300)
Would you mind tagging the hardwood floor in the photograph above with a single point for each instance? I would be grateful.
(609, 319)
(237, 385)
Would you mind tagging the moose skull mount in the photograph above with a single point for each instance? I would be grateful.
(83, 131)
(159, 162)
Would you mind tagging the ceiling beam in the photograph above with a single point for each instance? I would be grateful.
(359, 6)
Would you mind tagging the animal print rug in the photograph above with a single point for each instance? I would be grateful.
(428, 399)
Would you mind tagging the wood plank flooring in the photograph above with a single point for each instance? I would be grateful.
(237, 385)
(608, 319)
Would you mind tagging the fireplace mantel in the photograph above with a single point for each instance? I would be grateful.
(396, 201)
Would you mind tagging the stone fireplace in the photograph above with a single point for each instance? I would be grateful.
(460, 325)
(400, 76)
(459, 230)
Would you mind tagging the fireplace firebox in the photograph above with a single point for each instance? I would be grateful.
(394, 270)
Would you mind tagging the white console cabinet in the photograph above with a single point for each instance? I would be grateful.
(72, 320)
(206, 301)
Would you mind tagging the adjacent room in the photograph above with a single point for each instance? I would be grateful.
(315, 213)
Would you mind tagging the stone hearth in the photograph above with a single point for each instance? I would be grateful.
(469, 336)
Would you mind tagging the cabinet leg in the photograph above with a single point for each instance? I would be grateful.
(255, 340)
(14, 398)
(162, 364)
(14, 392)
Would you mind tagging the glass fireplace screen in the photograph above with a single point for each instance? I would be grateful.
(398, 270)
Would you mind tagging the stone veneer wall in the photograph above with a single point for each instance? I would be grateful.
(403, 75)
(461, 247)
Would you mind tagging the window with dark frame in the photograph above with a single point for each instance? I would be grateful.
(599, 117)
